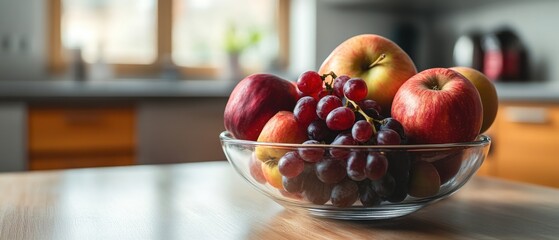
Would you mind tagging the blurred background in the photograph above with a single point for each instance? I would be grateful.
(92, 83)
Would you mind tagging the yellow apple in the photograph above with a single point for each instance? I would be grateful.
(424, 180)
(271, 173)
(487, 92)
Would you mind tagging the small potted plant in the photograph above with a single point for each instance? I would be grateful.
(236, 42)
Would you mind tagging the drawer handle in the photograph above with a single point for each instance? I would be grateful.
(534, 115)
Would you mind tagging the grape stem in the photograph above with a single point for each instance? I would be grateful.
(328, 85)
(380, 58)
(358, 109)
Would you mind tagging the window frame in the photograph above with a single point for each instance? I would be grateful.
(57, 62)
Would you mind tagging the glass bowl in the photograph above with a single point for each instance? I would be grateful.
(416, 176)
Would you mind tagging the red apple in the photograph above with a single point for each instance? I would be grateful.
(447, 163)
(449, 166)
(254, 100)
(438, 105)
(255, 168)
(375, 59)
(487, 92)
(281, 128)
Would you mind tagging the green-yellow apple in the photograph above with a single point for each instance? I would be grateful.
(254, 100)
(438, 105)
(271, 172)
(487, 92)
(424, 180)
(281, 128)
(375, 59)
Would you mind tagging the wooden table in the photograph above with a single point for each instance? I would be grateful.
(209, 201)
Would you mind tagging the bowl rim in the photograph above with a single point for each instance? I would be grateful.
(482, 140)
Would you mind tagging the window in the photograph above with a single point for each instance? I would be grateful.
(101, 29)
(199, 37)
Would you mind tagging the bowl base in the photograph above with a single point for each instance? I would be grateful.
(381, 213)
(358, 213)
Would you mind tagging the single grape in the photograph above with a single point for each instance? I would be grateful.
(322, 94)
(399, 193)
(326, 104)
(399, 165)
(355, 89)
(344, 194)
(356, 164)
(342, 139)
(371, 108)
(316, 191)
(388, 137)
(377, 165)
(384, 186)
(362, 131)
(292, 185)
(311, 154)
(318, 131)
(305, 110)
(369, 104)
(291, 164)
(309, 82)
(391, 123)
(295, 184)
(296, 195)
(300, 94)
(367, 194)
(338, 86)
(330, 170)
(370, 113)
(341, 118)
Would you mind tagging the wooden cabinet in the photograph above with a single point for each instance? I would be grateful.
(73, 137)
(525, 144)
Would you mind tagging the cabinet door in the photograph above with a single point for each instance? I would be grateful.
(65, 161)
(527, 143)
(73, 137)
(180, 130)
(12, 136)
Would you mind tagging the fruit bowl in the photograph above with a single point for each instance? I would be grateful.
(415, 176)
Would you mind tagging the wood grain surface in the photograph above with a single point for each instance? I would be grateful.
(209, 201)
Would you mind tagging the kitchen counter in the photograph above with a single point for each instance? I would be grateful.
(528, 92)
(209, 201)
(122, 88)
(141, 89)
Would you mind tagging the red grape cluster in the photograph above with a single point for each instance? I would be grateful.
(338, 113)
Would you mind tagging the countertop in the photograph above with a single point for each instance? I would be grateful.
(528, 92)
(122, 88)
(145, 88)
(209, 201)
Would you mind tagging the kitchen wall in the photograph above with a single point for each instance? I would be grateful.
(338, 22)
(438, 24)
(534, 21)
(318, 26)
(22, 39)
